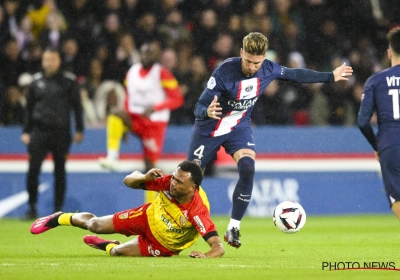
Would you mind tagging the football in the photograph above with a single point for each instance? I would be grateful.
(289, 217)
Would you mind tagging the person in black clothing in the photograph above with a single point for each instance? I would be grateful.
(12, 111)
(52, 95)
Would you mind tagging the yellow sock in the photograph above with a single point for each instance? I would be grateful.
(65, 219)
(109, 247)
(115, 131)
(149, 196)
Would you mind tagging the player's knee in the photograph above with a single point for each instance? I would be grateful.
(95, 225)
(246, 167)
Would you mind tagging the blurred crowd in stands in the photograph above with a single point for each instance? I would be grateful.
(99, 40)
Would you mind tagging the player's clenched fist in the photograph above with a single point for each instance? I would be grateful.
(153, 174)
(214, 111)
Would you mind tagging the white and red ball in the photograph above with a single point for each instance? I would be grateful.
(289, 217)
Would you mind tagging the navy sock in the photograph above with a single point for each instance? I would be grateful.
(242, 193)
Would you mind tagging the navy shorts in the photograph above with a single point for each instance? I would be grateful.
(390, 167)
(203, 149)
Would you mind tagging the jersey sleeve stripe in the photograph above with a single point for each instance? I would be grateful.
(239, 91)
(169, 84)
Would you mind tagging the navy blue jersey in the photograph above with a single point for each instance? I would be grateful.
(381, 92)
(237, 93)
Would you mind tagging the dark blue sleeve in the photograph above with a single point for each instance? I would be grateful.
(305, 75)
(215, 87)
(200, 110)
(364, 118)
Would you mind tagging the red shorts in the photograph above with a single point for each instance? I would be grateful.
(134, 222)
(152, 135)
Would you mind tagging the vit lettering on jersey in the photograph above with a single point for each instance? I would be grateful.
(393, 81)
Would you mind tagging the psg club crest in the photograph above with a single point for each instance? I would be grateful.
(248, 88)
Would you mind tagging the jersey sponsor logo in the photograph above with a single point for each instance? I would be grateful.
(168, 223)
(211, 83)
(242, 104)
(200, 224)
(153, 252)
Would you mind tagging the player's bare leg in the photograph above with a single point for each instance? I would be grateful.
(101, 225)
(396, 209)
(244, 158)
(130, 249)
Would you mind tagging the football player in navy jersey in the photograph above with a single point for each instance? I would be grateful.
(223, 114)
(381, 94)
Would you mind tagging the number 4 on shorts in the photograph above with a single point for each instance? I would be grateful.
(199, 151)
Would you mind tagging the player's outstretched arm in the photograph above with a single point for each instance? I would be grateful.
(216, 251)
(342, 72)
(137, 178)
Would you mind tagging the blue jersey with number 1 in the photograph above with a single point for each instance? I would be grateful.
(237, 93)
(382, 91)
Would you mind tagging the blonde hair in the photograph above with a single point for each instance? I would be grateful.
(255, 43)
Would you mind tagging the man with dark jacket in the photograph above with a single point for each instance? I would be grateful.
(52, 95)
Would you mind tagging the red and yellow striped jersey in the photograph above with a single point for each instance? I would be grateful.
(177, 226)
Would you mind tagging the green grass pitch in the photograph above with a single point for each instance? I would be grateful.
(266, 253)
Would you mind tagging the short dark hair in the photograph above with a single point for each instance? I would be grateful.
(393, 38)
(195, 171)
